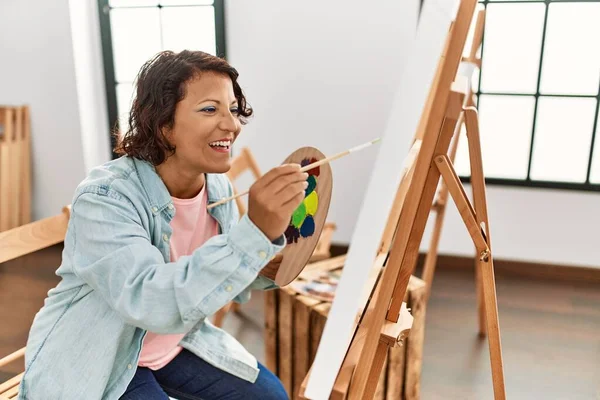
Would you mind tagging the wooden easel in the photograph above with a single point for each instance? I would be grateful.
(17, 242)
(440, 202)
(382, 322)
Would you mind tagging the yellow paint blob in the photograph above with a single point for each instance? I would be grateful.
(311, 202)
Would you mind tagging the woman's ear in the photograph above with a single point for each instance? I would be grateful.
(167, 133)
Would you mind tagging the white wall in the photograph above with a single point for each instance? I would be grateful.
(38, 68)
(319, 74)
(537, 225)
(324, 73)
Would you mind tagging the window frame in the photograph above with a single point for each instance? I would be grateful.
(528, 182)
(108, 58)
(111, 95)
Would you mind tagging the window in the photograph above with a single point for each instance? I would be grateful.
(538, 94)
(135, 30)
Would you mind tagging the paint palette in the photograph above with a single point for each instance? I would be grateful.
(307, 221)
(302, 223)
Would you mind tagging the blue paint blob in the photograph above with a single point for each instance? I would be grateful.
(308, 227)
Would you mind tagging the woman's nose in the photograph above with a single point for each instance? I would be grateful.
(229, 122)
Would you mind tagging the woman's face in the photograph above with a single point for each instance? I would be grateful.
(206, 125)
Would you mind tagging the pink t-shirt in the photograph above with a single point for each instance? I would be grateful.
(192, 226)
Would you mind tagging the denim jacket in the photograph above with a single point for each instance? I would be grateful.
(117, 282)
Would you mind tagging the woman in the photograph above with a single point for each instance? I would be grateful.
(145, 263)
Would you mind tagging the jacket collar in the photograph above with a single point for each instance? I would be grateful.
(158, 194)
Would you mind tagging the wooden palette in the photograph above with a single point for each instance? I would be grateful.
(287, 265)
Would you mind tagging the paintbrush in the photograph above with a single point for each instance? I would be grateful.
(306, 168)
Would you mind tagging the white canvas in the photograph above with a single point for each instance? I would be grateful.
(421, 62)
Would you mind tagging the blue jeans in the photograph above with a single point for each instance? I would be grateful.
(188, 377)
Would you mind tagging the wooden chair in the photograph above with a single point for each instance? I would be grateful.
(18, 242)
(245, 161)
(15, 167)
(21, 241)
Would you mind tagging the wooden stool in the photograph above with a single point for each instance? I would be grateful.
(294, 324)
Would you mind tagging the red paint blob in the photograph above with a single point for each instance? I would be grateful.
(315, 171)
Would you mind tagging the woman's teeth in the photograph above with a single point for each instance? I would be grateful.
(222, 144)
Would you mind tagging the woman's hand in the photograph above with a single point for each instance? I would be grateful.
(274, 197)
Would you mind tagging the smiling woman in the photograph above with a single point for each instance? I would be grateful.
(190, 101)
(148, 262)
(161, 99)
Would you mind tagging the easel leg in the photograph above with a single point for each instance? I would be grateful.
(486, 266)
(408, 264)
(439, 207)
(432, 253)
(479, 202)
(477, 185)
(493, 326)
(476, 220)
(220, 315)
(480, 299)
(373, 379)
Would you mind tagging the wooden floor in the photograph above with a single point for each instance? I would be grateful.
(550, 331)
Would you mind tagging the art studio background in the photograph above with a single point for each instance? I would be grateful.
(324, 74)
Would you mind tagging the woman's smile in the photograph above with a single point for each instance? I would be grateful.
(221, 146)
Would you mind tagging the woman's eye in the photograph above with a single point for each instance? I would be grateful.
(235, 110)
(209, 109)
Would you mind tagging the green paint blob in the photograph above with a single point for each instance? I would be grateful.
(312, 184)
(299, 215)
(311, 203)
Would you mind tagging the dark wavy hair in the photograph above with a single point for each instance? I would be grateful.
(160, 85)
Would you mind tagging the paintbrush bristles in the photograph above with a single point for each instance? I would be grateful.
(363, 146)
(305, 168)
